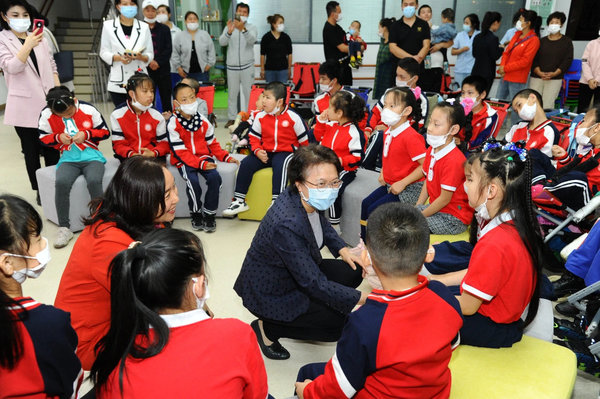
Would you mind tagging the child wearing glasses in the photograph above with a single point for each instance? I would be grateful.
(337, 128)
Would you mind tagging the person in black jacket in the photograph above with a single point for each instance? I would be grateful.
(284, 281)
(486, 48)
(159, 68)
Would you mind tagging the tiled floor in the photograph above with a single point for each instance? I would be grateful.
(225, 251)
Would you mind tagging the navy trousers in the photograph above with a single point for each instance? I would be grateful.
(194, 191)
(335, 212)
(251, 164)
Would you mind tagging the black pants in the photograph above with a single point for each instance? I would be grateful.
(162, 80)
(432, 81)
(372, 159)
(319, 322)
(117, 98)
(32, 149)
(585, 96)
(345, 74)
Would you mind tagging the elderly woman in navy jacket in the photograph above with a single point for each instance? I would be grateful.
(284, 281)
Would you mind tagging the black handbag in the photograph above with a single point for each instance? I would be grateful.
(64, 65)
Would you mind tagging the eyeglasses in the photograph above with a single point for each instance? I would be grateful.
(322, 186)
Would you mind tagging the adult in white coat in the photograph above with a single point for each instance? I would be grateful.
(125, 45)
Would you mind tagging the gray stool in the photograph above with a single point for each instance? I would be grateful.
(360, 188)
(80, 197)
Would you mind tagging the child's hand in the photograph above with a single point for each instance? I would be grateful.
(397, 188)
(381, 180)
(323, 116)
(210, 166)
(79, 137)
(147, 153)
(558, 151)
(65, 138)
(233, 160)
(262, 155)
(300, 388)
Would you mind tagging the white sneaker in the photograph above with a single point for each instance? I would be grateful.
(236, 207)
(63, 236)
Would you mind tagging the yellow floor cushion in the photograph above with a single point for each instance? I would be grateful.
(259, 195)
(532, 368)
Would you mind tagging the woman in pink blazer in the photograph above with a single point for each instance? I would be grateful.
(30, 71)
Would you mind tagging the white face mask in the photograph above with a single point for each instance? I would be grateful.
(149, 20)
(162, 18)
(476, 102)
(201, 301)
(553, 28)
(275, 111)
(401, 83)
(519, 26)
(243, 18)
(189, 109)
(192, 26)
(324, 88)
(481, 211)
(279, 28)
(581, 137)
(43, 257)
(390, 117)
(436, 141)
(19, 24)
(527, 112)
(339, 17)
(380, 34)
(139, 106)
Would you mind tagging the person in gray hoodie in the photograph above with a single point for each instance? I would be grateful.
(239, 36)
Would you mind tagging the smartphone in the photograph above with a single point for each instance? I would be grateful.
(237, 17)
(38, 24)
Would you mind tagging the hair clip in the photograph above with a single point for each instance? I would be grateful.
(133, 244)
(491, 144)
(417, 92)
(510, 159)
(518, 148)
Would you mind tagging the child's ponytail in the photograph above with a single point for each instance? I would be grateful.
(351, 105)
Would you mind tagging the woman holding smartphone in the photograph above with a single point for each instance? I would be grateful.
(30, 72)
(125, 45)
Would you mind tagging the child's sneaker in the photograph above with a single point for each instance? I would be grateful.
(210, 225)
(197, 221)
(353, 62)
(359, 60)
(236, 207)
(63, 236)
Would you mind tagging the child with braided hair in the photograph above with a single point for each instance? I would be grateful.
(503, 276)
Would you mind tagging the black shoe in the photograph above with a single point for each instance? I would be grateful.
(229, 123)
(197, 221)
(567, 309)
(567, 284)
(274, 351)
(210, 225)
(38, 199)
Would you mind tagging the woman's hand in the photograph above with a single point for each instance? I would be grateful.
(262, 74)
(153, 65)
(501, 71)
(207, 68)
(181, 72)
(593, 83)
(350, 258)
(33, 40)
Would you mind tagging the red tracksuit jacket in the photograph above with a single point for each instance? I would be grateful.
(278, 133)
(344, 140)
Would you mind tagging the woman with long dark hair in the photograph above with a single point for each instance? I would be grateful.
(37, 343)
(140, 198)
(486, 48)
(385, 69)
(30, 72)
(154, 326)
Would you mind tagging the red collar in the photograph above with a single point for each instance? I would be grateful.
(391, 296)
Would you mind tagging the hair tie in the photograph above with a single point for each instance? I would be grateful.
(417, 92)
(352, 94)
(517, 147)
(138, 250)
(510, 159)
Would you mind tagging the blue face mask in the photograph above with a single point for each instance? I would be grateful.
(409, 11)
(129, 11)
(467, 28)
(352, 31)
(321, 200)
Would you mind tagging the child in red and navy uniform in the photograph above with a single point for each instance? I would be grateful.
(536, 129)
(448, 211)
(503, 276)
(484, 118)
(338, 130)
(38, 344)
(137, 128)
(194, 149)
(404, 151)
(376, 357)
(329, 77)
(407, 75)
(276, 132)
(356, 44)
(155, 326)
(75, 128)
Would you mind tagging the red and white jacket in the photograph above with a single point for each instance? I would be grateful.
(194, 149)
(344, 140)
(321, 103)
(542, 137)
(375, 117)
(278, 133)
(87, 118)
(132, 132)
(592, 175)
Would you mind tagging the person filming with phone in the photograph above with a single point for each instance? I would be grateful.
(125, 45)
(30, 72)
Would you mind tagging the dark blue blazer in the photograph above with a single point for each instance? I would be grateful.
(281, 275)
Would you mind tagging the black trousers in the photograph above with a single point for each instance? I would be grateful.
(319, 322)
(117, 98)
(345, 74)
(162, 80)
(32, 149)
(585, 96)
